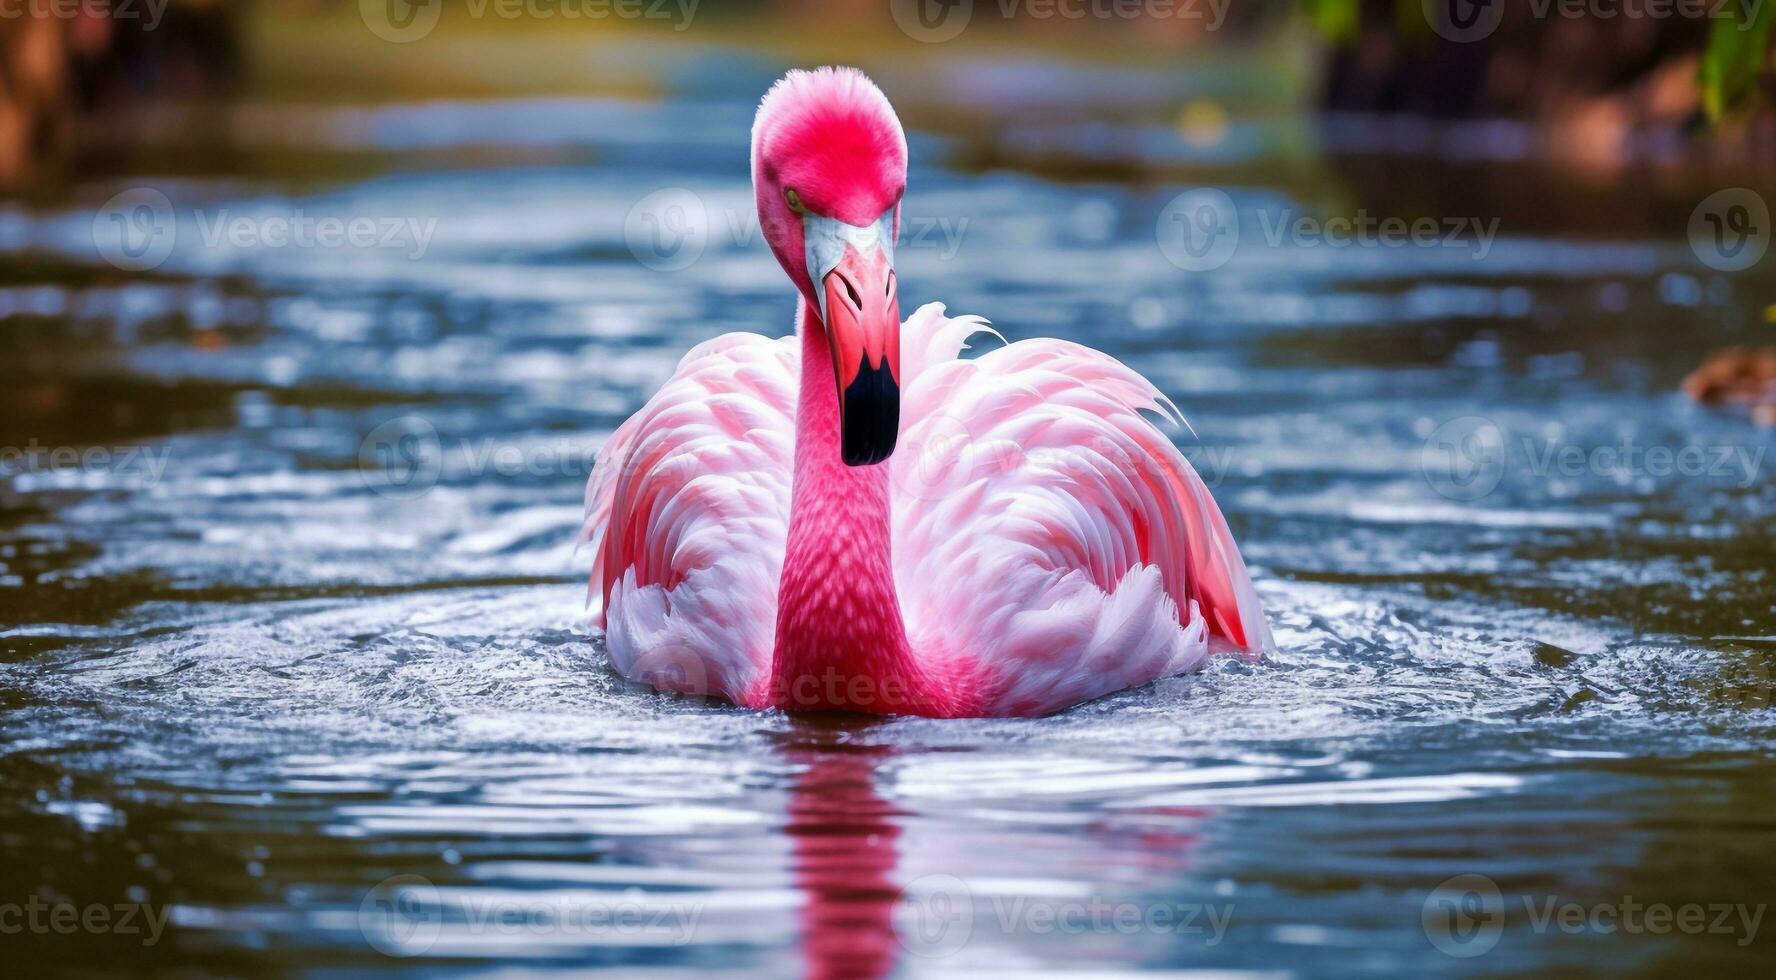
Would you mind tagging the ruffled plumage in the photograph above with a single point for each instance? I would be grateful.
(1048, 538)
(687, 510)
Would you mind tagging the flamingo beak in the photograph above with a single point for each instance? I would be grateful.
(860, 309)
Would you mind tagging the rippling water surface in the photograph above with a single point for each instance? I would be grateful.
(301, 662)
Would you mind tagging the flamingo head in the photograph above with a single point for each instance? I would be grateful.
(828, 171)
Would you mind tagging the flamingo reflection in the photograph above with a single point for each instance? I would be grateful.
(844, 837)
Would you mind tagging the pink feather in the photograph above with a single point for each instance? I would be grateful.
(1035, 540)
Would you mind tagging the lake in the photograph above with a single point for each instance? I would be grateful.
(295, 673)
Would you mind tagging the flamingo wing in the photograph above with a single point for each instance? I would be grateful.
(1051, 543)
(687, 509)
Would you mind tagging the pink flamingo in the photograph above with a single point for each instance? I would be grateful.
(1037, 542)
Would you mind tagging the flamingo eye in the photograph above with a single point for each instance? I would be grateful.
(795, 201)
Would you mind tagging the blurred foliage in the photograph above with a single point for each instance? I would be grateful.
(1336, 20)
(1738, 52)
(1736, 56)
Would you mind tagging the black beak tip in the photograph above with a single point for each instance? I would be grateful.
(869, 417)
(865, 454)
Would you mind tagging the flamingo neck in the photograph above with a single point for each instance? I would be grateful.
(841, 643)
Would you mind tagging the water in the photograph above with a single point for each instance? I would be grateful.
(301, 663)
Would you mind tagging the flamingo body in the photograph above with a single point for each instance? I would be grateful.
(1033, 540)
